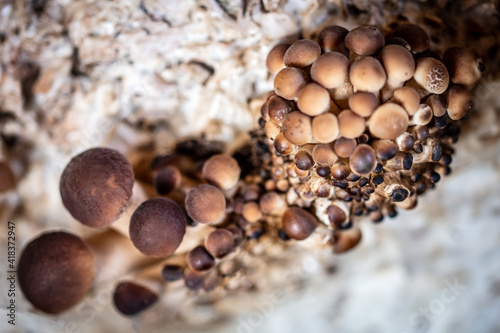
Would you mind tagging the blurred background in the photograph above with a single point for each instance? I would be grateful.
(138, 75)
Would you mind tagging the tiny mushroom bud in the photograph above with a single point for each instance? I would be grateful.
(199, 259)
(408, 98)
(367, 74)
(330, 70)
(298, 223)
(325, 128)
(344, 147)
(205, 204)
(363, 103)
(157, 227)
(464, 66)
(332, 38)
(131, 298)
(302, 53)
(289, 82)
(222, 171)
(313, 100)
(364, 41)
(363, 159)
(277, 109)
(351, 125)
(251, 212)
(219, 243)
(297, 128)
(56, 271)
(459, 102)
(274, 61)
(399, 66)
(432, 76)
(346, 239)
(96, 186)
(323, 154)
(388, 121)
(414, 35)
(167, 179)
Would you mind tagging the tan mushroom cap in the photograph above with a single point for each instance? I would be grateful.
(330, 69)
(363, 159)
(398, 64)
(414, 35)
(437, 104)
(367, 74)
(302, 53)
(289, 82)
(274, 61)
(297, 128)
(351, 125)
(314, 100)
(464, 66)
(272, 130)
(408, 98)
(365, 40)
(324, 155)
(283, 146)
(432, 75)
(251, 211)
(206, 204)
(459, 102)
(363, 103)
(332, 38)
(423, 116)
(388, 121)
(325, 128)
(344, 147)
(222, 171)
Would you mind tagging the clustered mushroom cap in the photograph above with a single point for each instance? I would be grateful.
(464, 66)
(289, 82)
(332, 38)
(323, 154)
(96, 186)
(363, 159)
(219, 243)
(367, 74)
(297, 128)
(325, 128)
(365, 40)
(330, 70)
(336, 215)
(313, 100)
(408, 98)
(277, 109)
(398, 64)
(363, 103)
(388, 121)
(222, 171)
(199, 259)
(302, 53)
(459, 102)
(437, 104)
(206, 204)
(157, 227)
(298, 223)
(274, 61)
(415, 36)
(344, 147)
(56, 271)
(432, 75)
(131, 298)
(351, 125)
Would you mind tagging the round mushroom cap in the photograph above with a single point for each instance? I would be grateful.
(344, 147)
(271, 202)
(56, 271)
(336, 215)
(340, 171)
(282, 145)
(222, 171)
(459, 102)
(432, 75)
(408, 98)
(199, 259)
(367, 74)
(414, 35)
(464, 66)
(251, 211)
(206, 204)
(332, 38)
(423, 116)
(302, 53)
(363, 103)
(365, 40)
(323, 154)
(274, 61)
(388, 121)
(325, 128)
(289, 82)
(7, 179)
(157, 227)
(277, 109)
(385, 149)
(330, 69)
(131, 298)
(172, 273)
(363, 159)
(298, 223)
(96, 186)
(398, 41)
(351, 125)
(219, 243)
(167, 179)
(346, 239)
(437, 104)
(303, 160)
(297, 128)
(313, 100)
(398, 64)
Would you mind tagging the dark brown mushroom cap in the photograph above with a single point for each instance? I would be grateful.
(365, 40)
(131, 298)
(282, 145)
(302, 53)
(219, 243)
(336, 216)
(157, 227)
(56, 271)
(346, 239)
(464, 66)
(332, 38)
(167, 180)
(96, 186)
(6, 177)
(459, 102)
(222, 171)
(363, 159)
(298, 223)
(297, 128)
(277, 109)
(414, 35)
(172, 273)
(206, 204)
(199, 259)
(437, 104)
(274, 61)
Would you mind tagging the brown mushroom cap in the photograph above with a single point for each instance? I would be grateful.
(131, 298)
(323, 154)
(363, 159)
(289, 82)
(336, 215)
(432, 75)
(459, 102)
(282, 145)
(7, 179)
(351, 125)
(251, 211)
(56, 271)
(346, 239)
(464, 66)
(303, 160)
(199, 259)
(205, 204)
(277, 109)
(297, 128)
(274, 61)
(423, 116)
(325, 128)
(385, 149)
(298, 223)
(272, 130)
(167, 179)
(367, 74)
(302, 53)
(332, 38)
(271, 202)
(330, 70)
(363, 103)
(414, 35)
(408, 98)
(388, 121)
(172, 273)
(96, 186)
(222, 171)
(219, 243)
(365, 40)
(340, 171)
(313, 100)
(344, 147)
(398, 64)
(157, 227)
(437, 104)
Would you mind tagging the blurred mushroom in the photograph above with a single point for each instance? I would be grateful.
(331, 39)
(274, 61)
(222, 171)
(298, 223)
(464, 66)
(219, 243)
(205, 204)
(414, 35)
(459, 102)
